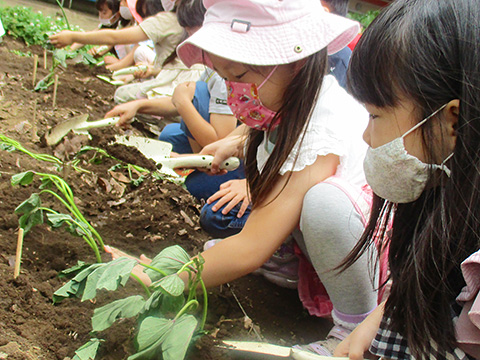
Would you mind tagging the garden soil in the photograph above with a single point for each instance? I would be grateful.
(140, 219)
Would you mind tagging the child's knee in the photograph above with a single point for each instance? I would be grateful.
(219, 225)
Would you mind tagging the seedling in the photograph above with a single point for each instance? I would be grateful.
(32, 209)
(165, 325)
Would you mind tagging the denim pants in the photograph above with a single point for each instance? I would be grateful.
(221, 226)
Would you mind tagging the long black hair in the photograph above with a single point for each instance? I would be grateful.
(297, 106)
(427, 52)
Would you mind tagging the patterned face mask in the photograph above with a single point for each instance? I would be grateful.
(247, 107)
(395, 175)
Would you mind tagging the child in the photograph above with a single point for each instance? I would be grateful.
(416, 70)
(163, 29)
(109, 18)
(227, 210)
(303, 153)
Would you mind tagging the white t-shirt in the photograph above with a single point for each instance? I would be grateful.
(336, 127)
(218, 92)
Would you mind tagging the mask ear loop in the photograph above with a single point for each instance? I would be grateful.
(424, 120)
(268, 77)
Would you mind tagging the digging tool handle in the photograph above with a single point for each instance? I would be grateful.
(97, 124)
(199, 161)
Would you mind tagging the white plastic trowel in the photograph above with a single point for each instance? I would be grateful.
(159, 152)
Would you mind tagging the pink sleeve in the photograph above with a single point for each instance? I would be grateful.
(468, 323)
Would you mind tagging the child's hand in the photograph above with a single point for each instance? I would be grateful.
(144, 74)
(356, 345)
(222, 149)
(183, 94)
(110, 60)
(231, 192)
(62, 39)
(126, 112)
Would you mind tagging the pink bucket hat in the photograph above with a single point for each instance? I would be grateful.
(266, 32)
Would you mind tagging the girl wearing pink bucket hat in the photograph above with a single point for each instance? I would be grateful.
(303, 152)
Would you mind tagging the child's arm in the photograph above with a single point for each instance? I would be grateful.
(358, 342)
(159, 106)
(267, 227)
(231, 145)
(202, 131)
(130, 35)
(127, 61)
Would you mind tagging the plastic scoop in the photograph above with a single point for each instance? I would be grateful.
(129, 70)
(159, 152)
(79, 124)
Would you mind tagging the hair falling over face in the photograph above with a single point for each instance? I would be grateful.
(298, 103)
(427, 52)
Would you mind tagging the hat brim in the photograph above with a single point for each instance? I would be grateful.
(273, 45)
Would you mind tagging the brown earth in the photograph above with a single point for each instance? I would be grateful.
(139, 219)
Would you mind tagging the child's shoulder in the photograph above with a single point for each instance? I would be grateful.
(335, 104)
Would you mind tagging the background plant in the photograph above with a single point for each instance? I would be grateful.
(364, 19)
(165, 323)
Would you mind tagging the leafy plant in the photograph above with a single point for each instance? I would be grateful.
(165, 325)
(32, 211)
(364, 19)
(33, 27)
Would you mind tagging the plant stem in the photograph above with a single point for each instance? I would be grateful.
(153, 268)
(145, 287)
(185, 308)
(205, 304)
(64, 15)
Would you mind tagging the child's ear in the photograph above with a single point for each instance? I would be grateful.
(452, 111)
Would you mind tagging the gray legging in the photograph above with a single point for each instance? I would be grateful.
(331, 227)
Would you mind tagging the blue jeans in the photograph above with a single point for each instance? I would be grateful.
(221, 226)
(173, 134)
(202, 185)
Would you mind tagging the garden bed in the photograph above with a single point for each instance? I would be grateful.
(141, 218)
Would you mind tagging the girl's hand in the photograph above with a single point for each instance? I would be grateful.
(222, 150)
(126, 112)
(62, 39)
(231, 192)
(183, 94)
(110, 60)
(356, 345)
(144, 74)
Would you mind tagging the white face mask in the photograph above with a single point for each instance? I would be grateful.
(395, 175)
(106, 22)
(125, 13)
(168, 5)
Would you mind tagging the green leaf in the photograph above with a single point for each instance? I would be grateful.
(109, 276)
(57, 220)
(170, 260)
(175, 346)
(24, 178)
(87, 351)
(7, 147)
(105, 316)
(76, 286)
(158, 302)
(81, 265)
(32, 214)
(172, 284)
(151, 333)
